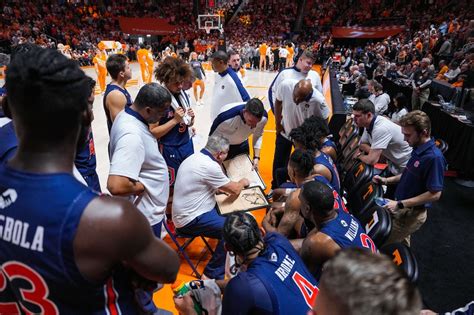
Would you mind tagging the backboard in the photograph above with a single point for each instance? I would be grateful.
(209, 22)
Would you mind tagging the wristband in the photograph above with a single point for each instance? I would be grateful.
(256, 157)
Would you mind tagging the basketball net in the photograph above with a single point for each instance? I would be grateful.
(208, 29)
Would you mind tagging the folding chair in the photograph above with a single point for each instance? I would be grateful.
(181, 247)
(350, 132)
(363, 200)
(442, 145)
(403, 257)
(358, 175)
(378, 226)
(346, 125)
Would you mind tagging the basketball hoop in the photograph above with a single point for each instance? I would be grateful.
(207, 29)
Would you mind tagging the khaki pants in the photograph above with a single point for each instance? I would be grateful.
(404, 223)
(418, 99)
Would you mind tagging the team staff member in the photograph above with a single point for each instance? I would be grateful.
(116, 96)
(74, 242)
(99, 62)
(420, 184)
(137, 169)
(200, 76)
(302, 70)
(194, 212)
(381, 137)
(236, 122)
(234, 64)
(296, 100)
(227, 87)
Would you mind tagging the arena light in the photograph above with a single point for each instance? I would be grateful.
(148, 35)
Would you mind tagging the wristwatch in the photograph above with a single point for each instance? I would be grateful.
(400, 205)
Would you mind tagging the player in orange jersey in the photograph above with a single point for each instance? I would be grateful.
(142, 54)
(100, 69)
(262, 50)
(150, 62)
(291, 55)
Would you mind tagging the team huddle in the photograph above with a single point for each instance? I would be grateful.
(65, 248)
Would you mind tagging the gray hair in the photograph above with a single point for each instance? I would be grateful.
(216, 144)
(427, 60)
(365, 283)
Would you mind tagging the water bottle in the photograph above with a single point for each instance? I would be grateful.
(379, 201)
(180, 289)
(441, 99)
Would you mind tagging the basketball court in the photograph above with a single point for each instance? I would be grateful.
(256, 83)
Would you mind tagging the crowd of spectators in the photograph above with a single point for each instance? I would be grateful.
(436, 30)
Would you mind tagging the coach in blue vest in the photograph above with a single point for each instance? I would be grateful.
(420, 184)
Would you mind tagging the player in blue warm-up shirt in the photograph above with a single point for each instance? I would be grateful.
(63, 248)
(334, 230)
(300, 168)
(276, 281)
(116, 96)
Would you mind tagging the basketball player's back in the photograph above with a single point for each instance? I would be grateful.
(39, 220)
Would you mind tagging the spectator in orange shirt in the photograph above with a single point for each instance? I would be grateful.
(443, 68)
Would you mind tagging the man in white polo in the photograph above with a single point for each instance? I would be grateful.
(236, 122)
(381, 137)
(199, 178)
(302, 70)
(137, 168)
(295, 101)
(227, 86)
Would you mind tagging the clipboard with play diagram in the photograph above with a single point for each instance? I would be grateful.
(249, 199)
(241, 167)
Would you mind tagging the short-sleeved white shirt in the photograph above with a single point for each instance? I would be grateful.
(283, 53)
(380, 102)
(198, 179)
(318, 102)
(388, 136)
(293, 73)
(134, 154)
(396, 116)
(294, 115)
